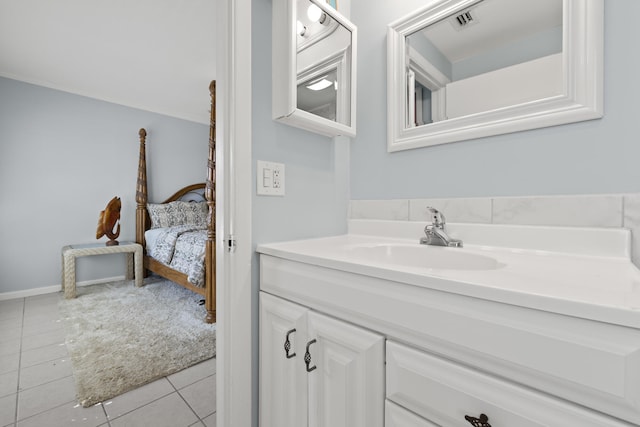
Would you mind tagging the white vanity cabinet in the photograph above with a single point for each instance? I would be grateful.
(447, 355)
(317, 371)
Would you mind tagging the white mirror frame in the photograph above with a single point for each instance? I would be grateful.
(285, 79)
(582, 59)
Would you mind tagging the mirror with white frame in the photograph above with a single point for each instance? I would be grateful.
(314, 67)
(464, 69)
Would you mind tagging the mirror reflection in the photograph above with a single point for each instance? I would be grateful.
(319, 95)
(323, 58)
(489, 55)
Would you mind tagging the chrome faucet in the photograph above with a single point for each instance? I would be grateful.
(435, 234)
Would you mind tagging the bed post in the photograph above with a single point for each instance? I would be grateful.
(210, 195)
(141, 191)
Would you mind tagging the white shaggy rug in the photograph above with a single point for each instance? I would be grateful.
(121, 337)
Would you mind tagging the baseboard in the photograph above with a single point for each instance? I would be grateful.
(55, 288)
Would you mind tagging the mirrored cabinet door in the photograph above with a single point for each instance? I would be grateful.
(314, 54)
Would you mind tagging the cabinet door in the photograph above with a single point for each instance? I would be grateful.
(283, 380)
(346, 388)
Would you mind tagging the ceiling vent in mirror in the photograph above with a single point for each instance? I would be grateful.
(463, 20)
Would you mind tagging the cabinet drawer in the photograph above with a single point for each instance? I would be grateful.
(445, 392)
(396, 416)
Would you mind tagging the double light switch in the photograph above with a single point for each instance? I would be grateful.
(270, 178)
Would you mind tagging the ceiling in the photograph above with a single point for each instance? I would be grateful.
(496, 22)
(156, 55)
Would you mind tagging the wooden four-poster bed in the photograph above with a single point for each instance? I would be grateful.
(187, 215)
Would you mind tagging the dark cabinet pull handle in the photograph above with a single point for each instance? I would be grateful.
(307, 357)
(287, 345)
(482, 421)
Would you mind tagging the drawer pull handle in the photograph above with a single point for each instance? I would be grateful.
(483, 421)
(307, 357)
(287, 345)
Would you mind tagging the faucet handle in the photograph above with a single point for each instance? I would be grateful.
(437, 216)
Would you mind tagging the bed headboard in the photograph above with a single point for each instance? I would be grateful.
(200, 192)
(196, 196)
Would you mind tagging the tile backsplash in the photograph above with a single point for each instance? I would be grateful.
(607, 210)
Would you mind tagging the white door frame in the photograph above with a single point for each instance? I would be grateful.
(235, 398)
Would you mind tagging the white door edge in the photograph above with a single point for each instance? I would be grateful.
(236, 404)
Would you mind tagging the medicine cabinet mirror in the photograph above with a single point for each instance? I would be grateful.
(314, 67)
(464, 69)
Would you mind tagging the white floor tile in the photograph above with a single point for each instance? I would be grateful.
(70, 414)
(8, 383)
(194, 373)
(7, 409)
(9, 362)
(9, 324)
(42, 339)
(9, 312)
(43, 354)
(32, 328)
(133, 399)
(10, 346)
(47, 396)
(169, 411)
(38, 317)
(41, 302)
(45, 372)
(38, 313)
(210, 421)
(10, 334)
(201, 396)
(43, 299)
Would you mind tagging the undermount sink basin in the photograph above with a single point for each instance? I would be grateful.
(423, 256)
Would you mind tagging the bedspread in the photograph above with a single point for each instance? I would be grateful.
(183, 249)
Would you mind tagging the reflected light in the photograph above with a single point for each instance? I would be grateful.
(300, 28)
(314, 13)
(320, 84)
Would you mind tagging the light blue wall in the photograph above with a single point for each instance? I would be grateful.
(598, 156)
(316, 171)
(316, 167)
(62, 158)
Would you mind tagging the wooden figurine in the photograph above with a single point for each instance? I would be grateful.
(109, 217)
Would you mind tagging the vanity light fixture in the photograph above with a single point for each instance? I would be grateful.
(315, 14)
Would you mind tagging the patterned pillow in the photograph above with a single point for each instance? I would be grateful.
(178, 213)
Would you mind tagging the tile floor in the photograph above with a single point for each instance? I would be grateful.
(37, 387)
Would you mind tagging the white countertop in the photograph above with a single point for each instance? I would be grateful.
(603, 287)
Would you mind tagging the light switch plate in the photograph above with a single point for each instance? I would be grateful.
(270, 178)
